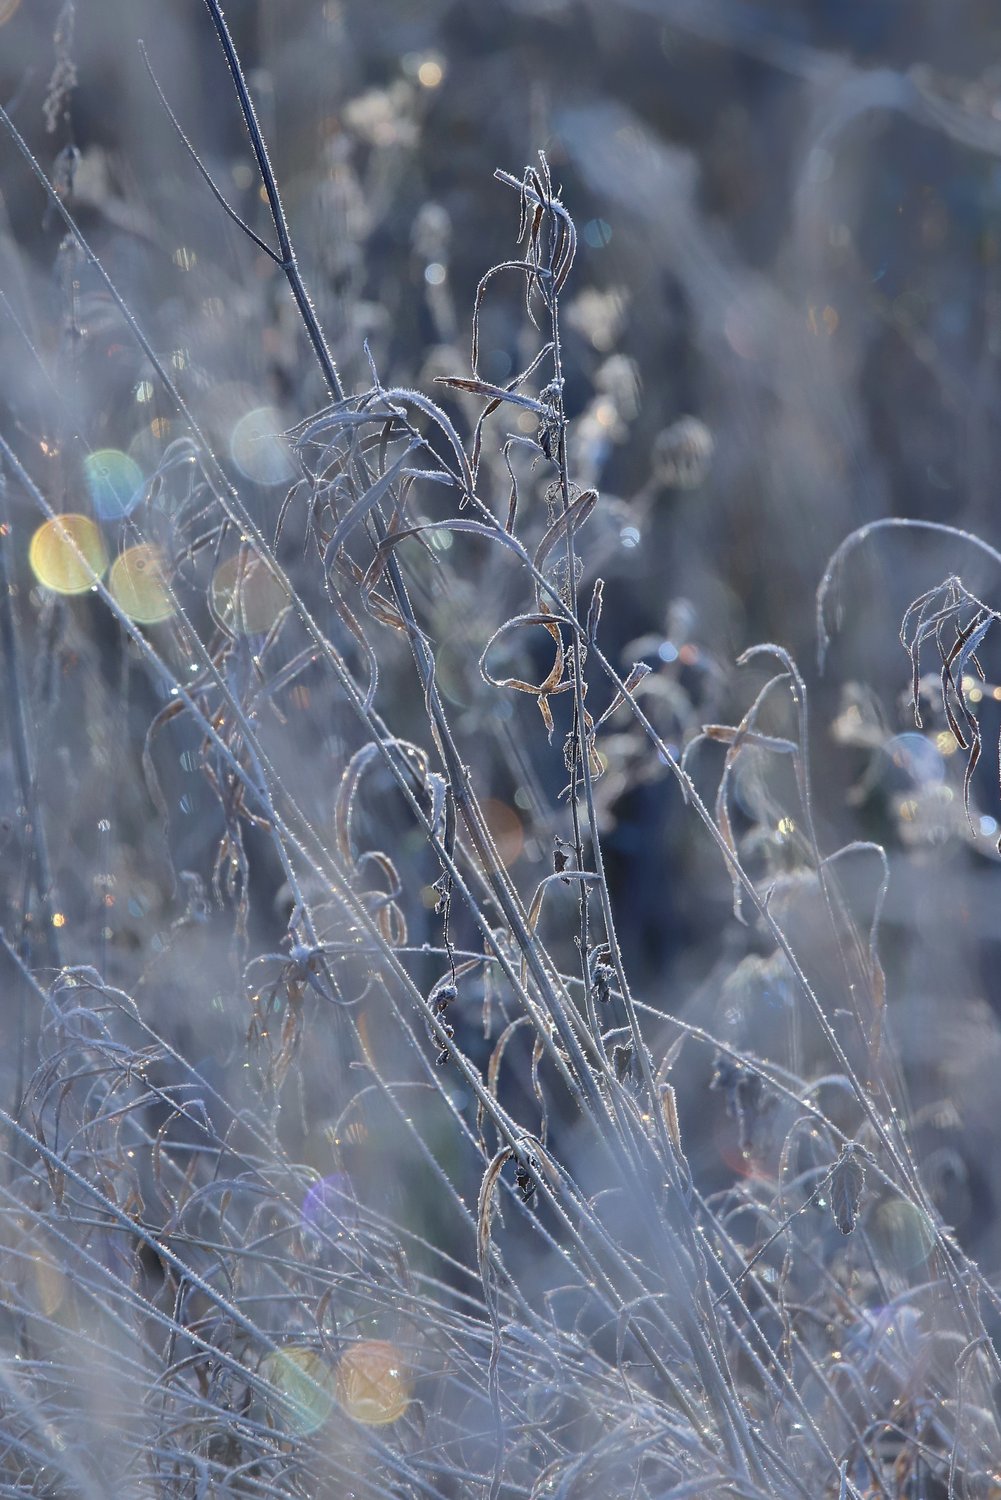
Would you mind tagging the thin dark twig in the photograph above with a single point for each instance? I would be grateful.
(204, 171)
(287, 260)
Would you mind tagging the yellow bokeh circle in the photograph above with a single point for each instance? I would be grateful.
(302, 1378)
(246, 595)
(372, 1383)
(50, 1284)
(67, 554)
(138, 585)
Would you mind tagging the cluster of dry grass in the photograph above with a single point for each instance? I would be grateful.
(342, 1153)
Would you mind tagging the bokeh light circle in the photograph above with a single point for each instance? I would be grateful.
(138, 585)
(917, 757)
(258, 449)
(114, 481)
(147, 446)
(506, 830)
(900, 1235)
(329, 1211)
(246, 595)
(372, 1383)
(50, 1283)
(304, 1380)
(67, 554)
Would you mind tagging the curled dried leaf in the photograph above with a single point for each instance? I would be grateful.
(847, 1184)
(554, 682)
